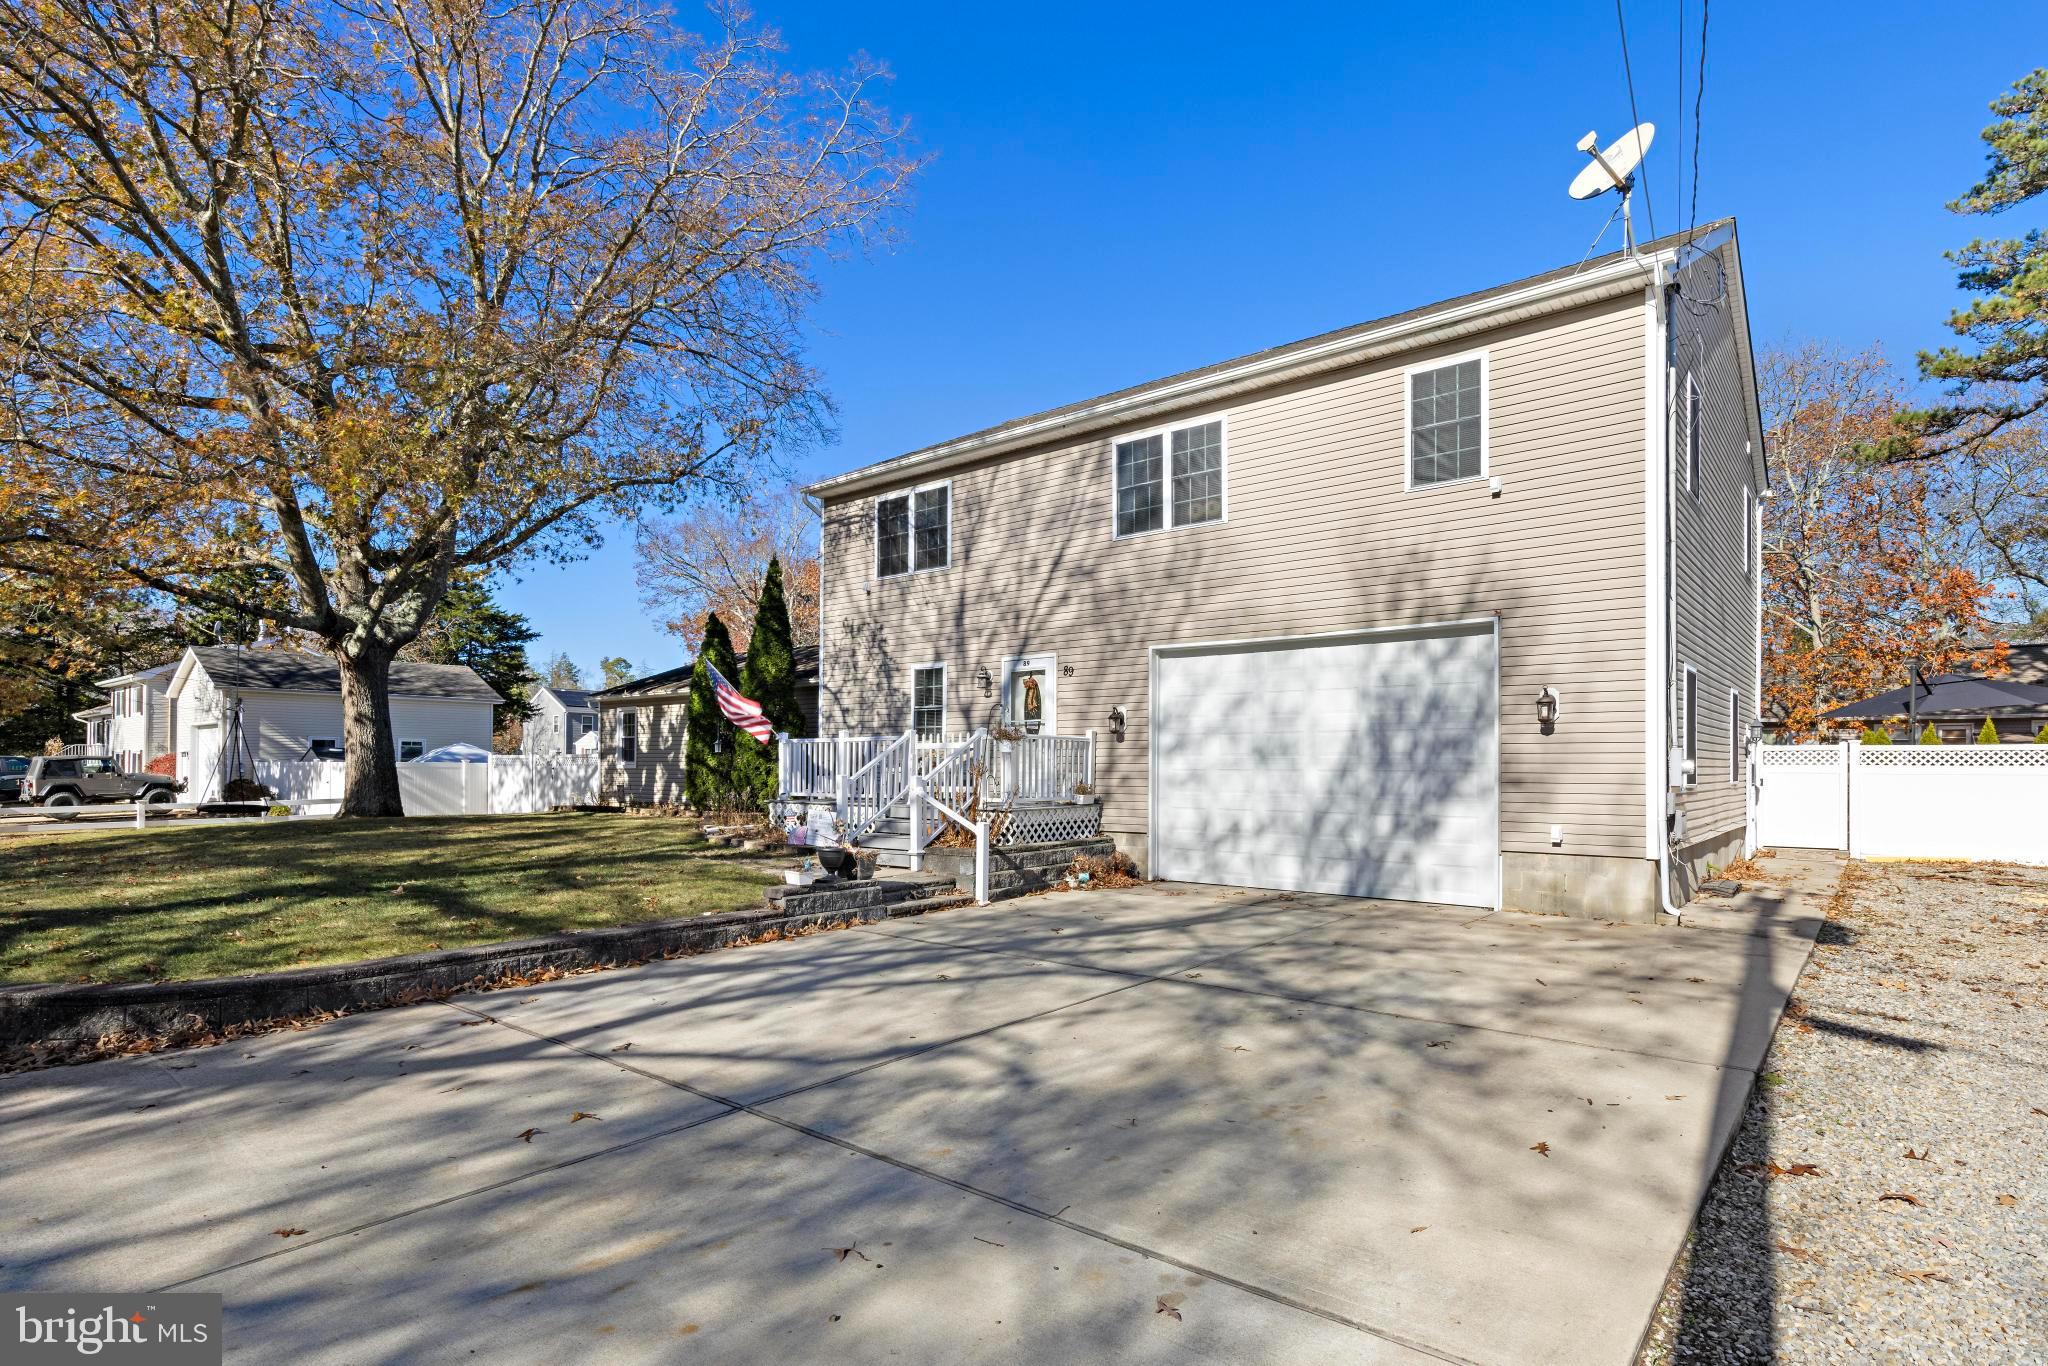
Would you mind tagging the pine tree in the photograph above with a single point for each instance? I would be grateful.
(1876, 735)
(709, 738)
(1928, 736)
(1988, 734)
(770, 679)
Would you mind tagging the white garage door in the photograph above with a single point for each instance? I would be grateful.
(1365, 766)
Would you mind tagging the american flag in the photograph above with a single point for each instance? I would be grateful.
(743, 712)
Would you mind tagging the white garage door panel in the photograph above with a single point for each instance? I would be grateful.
(1364, 768)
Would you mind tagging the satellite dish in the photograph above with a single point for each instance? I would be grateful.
(1614, 168)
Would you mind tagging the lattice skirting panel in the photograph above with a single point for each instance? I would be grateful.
(1800, 756)
(1049, 823)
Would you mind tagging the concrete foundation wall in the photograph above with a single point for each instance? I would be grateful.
(1586, 886)
(1689, 865)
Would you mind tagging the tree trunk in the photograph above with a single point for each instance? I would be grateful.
(369, 759)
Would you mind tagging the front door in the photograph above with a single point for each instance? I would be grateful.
(1030, 694)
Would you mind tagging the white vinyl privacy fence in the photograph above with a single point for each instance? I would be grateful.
(1905, 801)
(509, 784)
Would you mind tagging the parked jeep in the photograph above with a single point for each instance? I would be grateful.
(59, 783)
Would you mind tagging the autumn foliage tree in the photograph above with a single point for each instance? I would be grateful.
(714, 558)
(369, 295)
(1866, 571)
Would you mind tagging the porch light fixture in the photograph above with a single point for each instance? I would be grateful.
(1546, 710)
(988, 684)
(1116, 724)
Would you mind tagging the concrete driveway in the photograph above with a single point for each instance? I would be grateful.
(1166, 1124)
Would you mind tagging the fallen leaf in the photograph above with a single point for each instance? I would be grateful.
(840, 1254)
(1923, 1275)
(979, 1239)
(1901, 1197)
(583, 1114)
(620, 1048)
(1169, 1305)
(1418, 1228)
(1541, 983)
(1439, 1043)
(1238, 1048)
(1920, 1156)
(467, 1024)
(1774, 1169)
(288, 1232)
(526, 1135)
(1803, 1254)
(1543, 1149)
(2008, 1199)
(2042, 1113)
(1679, 1097)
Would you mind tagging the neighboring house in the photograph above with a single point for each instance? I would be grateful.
(134, 724)
(561, 717)
(236, 707)
(1310, 601)
(644, 723)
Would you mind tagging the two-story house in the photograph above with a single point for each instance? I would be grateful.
(137, 721)
(561, 718)
(1458, 605)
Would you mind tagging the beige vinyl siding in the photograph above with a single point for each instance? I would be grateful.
(655, 778)
(1715, 631)
(1320, 536)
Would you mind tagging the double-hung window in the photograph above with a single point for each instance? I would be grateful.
(1170, 478)
(928, 701)
(629, 737)
(914, 530)
(408, 750)
(1447, 422)
(1735, 737)
(1691, 721)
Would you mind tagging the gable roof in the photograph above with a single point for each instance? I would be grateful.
(230, 666)
(572, 699)
(1601, 277)
(677, 680)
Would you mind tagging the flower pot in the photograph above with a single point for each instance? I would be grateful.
(839, 863)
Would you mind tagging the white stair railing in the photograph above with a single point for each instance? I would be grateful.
(958, 774)
(866, 794)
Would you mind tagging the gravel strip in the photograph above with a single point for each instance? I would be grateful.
(1887, 1196)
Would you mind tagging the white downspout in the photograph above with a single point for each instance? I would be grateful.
(1660, 589)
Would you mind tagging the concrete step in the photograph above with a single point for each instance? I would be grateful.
(923, 904)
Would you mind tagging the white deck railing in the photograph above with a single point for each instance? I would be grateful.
(1029, 768)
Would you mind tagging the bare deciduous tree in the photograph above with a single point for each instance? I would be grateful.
(371, 293)
(713, 558)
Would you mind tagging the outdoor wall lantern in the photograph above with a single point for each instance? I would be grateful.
(988, 685)
(1546, 710)
(1116, 724)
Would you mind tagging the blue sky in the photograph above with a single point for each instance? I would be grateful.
(1120, 192)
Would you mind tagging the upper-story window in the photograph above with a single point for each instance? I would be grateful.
(914, 530)
(1692, 434)
(1171, 477)
(1447, 422)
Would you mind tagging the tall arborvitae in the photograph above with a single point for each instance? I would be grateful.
(770, 679)
(708, 743)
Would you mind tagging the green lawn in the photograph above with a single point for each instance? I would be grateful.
(125, 906)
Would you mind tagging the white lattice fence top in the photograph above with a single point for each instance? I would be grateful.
(1799, 756)
(1954, 756)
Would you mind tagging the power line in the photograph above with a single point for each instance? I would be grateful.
(1699, 99)
(1680, 87)
(1649, 208)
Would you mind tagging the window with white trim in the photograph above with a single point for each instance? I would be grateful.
(928, 701)
(1692, 434)
(629, 737)
(1748, 531)
(1447, 423)
(1690, 721)
(1735, 729)
(914, 531)
(325, 747)
(1170, 478)
(410, 749)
